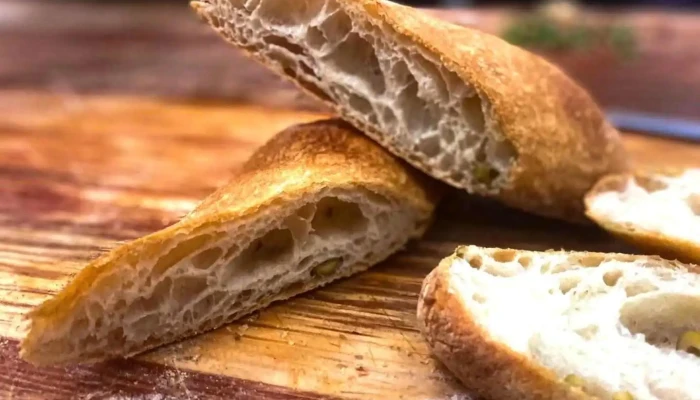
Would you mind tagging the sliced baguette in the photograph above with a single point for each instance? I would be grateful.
(513, 324)
(461, 105)
(657, 211)
(316, 203)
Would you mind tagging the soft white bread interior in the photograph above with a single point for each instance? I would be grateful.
(517, 324)
(461, 105)
(658, 211)
(318, 202)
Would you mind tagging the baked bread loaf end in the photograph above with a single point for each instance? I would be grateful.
(524, 325)
(316, 203)
(463, 106)
(657, 211)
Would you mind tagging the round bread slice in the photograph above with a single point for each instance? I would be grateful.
(526, 325)
(657, 211)
(318, 202)
(461, 105)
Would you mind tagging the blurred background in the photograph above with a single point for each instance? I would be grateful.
(638, 58)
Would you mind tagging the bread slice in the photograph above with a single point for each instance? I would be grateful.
(658, 211)
(461, 105)
(525, 325)
(318, 202)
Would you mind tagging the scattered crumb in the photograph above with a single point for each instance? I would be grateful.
(290, 342)
(284, 334)
(362, 371)
(253, 317)
(358, 357)
(243, 328)
(425, 361)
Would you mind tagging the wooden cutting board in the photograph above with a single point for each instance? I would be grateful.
(80, 174)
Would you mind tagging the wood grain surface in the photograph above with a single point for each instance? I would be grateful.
(80, 174)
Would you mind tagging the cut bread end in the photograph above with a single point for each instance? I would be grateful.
(316, 203)
(396, 91)
(185, 281)
(657, 211)
(517, 324)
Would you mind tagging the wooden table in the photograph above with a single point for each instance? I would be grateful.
(84, 167)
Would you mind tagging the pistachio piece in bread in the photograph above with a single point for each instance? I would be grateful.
(657, 211)
(514, 324)
(461, 105)
(316, 203)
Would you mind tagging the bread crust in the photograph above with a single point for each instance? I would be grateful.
(563, 142)
(648, 241)
(300, 160)
(488, 369)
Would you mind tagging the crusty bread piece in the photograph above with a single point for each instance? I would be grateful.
(316, 203)
(657, 211)
(461, 105)
(514, 324)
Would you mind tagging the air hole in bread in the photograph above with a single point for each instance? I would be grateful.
(611, 277)
(336, 27)
(472, 111)
(116, 336)
(306, 212)
(661, 316)
(504, 255)
(293, 289)
(180, 251)
(306, 69)
(593, 260)
(315, 38)
(278, 12)
(187, 287)
(636, 288)
(275, 246)
(479, 297)
(334, 216)
(414, 109)
(525, 261)
(151, 301)
(650, 184)
(206, 258)
(300, 227)
(203, 307)
(355, 56)
(245, 295)
(694, 203)
(568, 283)
(475, 261)
(306, 84)
(145, 324)
(279, 41)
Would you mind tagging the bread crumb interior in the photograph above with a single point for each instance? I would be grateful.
(613, 323)
(671, 207)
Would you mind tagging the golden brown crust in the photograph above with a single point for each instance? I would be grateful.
(487, 368)
(647, 241)
(563, 142)
(301, 160)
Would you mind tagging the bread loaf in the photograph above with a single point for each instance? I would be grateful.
(657, 211)
(525, 325)
(318, 202)
(461, 105)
